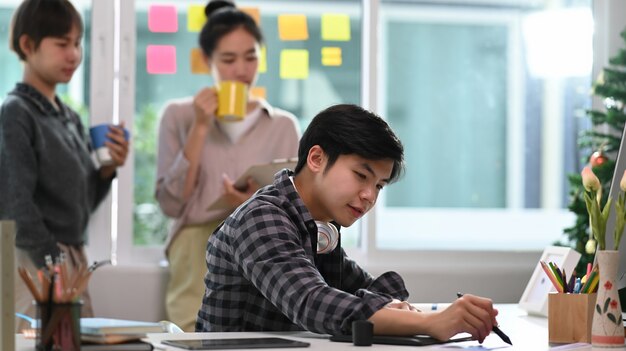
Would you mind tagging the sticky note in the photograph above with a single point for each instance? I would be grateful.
(161, 59)
(294, 64)
(162, 19)
(259, 92)
(292, 27)
(263, 60)
(335, 27)
(331, 56)
(254, 13)
(197, 62)
(195, 18)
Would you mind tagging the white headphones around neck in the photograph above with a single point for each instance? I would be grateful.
(327, 237)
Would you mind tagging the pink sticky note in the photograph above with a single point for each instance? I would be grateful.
(162, 19)
(161, 59)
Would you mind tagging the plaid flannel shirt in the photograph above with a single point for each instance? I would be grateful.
(264, 273)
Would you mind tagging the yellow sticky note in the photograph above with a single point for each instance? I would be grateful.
(197, 62)
(292, 27)
(259, 92)
(335, 27)
(331, 56)
(195, 18)
(263, 60)
(294, 64)
(254, 13)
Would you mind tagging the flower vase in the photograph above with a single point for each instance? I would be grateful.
(607, 329)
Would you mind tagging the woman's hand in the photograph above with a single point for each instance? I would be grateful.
(236, 197)
(118, 149)
(205, 106)
(470, 314)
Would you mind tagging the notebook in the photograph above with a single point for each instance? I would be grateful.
(110, 338)
(118, 326)
(401, 340)
(133, 346)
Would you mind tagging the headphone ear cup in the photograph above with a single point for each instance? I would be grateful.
(327, 237)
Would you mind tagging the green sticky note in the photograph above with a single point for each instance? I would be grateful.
(335, 27)
(195, 18)
(294, 64)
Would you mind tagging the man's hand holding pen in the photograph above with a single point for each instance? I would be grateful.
(495, 327)
(468, 314)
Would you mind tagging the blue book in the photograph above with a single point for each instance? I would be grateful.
(118, 326)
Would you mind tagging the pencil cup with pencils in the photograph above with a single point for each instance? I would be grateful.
(570, 317)
(570, 309)
(59, 326)
(58, 302)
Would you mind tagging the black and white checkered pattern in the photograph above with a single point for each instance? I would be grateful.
(264, 273)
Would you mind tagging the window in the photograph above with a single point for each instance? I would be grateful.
(489, 119)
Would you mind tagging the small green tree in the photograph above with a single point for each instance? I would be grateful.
(150, 225)
(599, 146)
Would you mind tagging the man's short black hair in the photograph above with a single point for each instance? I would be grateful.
(352, 130)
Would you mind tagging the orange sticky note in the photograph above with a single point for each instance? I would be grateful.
(195, 18)
(161, 59)
(294, 64)
(331, 56)
(335, 27)
(197, 62)
(259, 92)
(263, 60)
(254, 13)
(292, 27)
(162, 19)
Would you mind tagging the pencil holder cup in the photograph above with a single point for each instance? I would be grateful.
(59, 326)
(570, 317)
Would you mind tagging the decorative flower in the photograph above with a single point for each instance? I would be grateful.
(608, 285)
(614, 316)
(590, 180)
(620, 215)
(593, 197)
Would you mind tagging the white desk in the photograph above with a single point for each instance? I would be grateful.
(527, 334)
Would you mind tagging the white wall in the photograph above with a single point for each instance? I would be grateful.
(139, 292)
(129, 292)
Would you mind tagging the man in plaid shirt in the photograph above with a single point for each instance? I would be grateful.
(269, 271)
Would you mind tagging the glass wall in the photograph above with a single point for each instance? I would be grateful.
(487, 101)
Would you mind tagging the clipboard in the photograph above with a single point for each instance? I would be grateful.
(261, 173)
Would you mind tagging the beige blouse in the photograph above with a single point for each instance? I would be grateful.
(275, 135)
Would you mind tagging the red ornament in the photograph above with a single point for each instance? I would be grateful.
(597, 159)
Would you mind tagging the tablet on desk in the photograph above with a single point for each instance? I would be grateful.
(235, 343)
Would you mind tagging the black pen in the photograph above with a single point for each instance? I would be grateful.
(495, 329)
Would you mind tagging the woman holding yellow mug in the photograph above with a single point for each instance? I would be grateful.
(204, 145)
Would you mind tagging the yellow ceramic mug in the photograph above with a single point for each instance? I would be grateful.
(232, 100)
